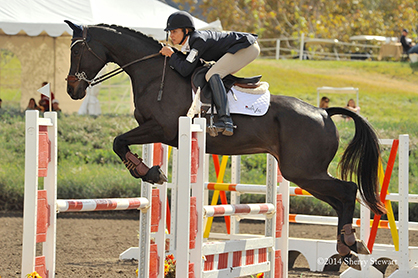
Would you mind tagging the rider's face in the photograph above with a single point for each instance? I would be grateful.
(176, 35)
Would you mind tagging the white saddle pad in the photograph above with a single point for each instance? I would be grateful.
(254, 102)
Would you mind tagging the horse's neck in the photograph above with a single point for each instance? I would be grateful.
(124, 48)
(123, 53)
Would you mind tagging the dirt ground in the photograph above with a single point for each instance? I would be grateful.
(88, 245)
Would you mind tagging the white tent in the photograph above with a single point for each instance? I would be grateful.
(34, 30)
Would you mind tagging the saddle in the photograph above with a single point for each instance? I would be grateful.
(198, 80)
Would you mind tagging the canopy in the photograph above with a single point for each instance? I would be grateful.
(34, 30)
(47, 16)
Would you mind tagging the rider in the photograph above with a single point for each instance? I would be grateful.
(231, 50)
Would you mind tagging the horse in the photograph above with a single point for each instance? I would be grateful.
(301, 137)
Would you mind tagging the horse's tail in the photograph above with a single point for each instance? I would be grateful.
(362, 158)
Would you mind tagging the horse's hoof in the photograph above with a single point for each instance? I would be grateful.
(361, 248)
(352, 260)
(155, 175)
(348, 238)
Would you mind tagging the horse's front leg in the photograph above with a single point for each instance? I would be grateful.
(145, 133)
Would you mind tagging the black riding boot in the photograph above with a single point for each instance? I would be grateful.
(224, 123)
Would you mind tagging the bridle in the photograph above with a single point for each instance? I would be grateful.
(79, 76)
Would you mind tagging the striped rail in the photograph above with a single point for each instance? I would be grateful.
(238, 258)
(238, 209)
(333, 221)
(101, 204)
(293, 191)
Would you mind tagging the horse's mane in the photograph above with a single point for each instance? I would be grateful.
(130, 32)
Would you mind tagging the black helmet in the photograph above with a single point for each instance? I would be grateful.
(179, 19)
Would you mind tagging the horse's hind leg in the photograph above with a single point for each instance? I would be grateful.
(341, 195)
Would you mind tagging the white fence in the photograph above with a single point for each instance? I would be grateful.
(316, 49)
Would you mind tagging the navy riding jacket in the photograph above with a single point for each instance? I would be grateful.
(210, 46)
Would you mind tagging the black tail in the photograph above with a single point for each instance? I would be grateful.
(362, 158)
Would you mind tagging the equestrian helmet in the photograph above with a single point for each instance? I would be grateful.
(179, 19)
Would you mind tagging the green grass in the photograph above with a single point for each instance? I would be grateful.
(88, 167)
(388, 91)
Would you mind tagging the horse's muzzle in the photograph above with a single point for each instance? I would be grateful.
(75, 88)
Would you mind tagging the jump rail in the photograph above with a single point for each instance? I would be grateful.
(102, 204)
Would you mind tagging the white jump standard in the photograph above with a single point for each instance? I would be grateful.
(233, 258)
(42, 206)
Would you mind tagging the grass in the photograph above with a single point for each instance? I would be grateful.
(388, 91)
(88, 168)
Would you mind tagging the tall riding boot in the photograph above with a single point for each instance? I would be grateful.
(220, 99)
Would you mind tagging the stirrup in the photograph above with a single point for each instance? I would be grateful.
(212, 129)
(226, 128)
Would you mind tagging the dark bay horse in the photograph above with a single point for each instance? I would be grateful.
(302, 138)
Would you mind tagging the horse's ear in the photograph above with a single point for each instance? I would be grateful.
(77, 29)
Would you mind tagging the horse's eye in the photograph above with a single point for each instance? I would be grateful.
(76, 52)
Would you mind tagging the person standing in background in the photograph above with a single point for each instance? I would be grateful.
(406, 45)
(324, 103)
(33, 106)
(55, 105)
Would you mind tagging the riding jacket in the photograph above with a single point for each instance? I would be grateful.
(209, 46)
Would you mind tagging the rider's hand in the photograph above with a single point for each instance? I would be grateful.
(167, 51)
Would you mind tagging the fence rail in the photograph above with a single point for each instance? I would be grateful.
(316, 49)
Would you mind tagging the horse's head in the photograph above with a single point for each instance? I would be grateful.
(87, 58)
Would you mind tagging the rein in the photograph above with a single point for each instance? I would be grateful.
(79, 76)
(114, 72)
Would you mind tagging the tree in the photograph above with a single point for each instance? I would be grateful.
(338, 19)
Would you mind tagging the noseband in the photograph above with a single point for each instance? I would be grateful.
(79, 76)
